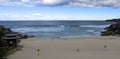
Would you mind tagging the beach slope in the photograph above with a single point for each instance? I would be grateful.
(70, 48)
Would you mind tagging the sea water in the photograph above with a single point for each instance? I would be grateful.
(57, 29)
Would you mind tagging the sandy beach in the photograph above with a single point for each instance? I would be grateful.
(70, 48)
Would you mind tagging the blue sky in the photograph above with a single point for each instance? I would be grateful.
(59, 9)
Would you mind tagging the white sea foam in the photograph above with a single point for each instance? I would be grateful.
(38, 29)
(76, 36)
(95, 26)
(90, 30)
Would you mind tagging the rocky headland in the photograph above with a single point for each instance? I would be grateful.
(4, 48)
(113, 29)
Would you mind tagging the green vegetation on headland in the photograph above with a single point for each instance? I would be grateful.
(113, 29)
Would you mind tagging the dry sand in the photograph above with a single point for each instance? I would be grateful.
(70, 48)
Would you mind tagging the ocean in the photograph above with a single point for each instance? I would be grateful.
(57, 29)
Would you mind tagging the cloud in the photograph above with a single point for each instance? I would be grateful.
(78, 3)
(37, 15)
(34, 16)
(25, 3)
(51, 2)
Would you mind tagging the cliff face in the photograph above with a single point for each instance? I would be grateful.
(113, 29)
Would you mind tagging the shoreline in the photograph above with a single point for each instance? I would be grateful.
(82, 37)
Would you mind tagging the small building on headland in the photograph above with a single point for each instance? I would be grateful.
(11, 39)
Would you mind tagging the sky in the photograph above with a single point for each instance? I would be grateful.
(59, 9)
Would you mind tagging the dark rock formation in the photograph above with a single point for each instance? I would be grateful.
(4, 49)
(4, 30)
(113, 29)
